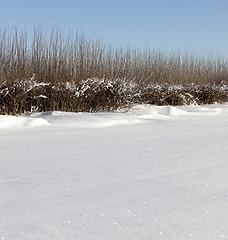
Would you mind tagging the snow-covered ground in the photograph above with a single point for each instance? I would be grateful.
(150, 173)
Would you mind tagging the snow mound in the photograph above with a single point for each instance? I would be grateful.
(22, 121)
(170, 111)
(89, 120)
(161, 113)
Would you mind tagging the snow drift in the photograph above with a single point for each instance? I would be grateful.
(133, 115)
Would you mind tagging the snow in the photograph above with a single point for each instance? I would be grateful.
(150, 173)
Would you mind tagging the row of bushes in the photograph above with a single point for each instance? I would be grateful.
(95, 94)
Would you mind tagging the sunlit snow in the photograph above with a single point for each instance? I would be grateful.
(144, 173)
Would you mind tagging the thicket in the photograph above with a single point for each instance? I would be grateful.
(72, 72)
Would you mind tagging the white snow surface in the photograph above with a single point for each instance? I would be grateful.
(150, 173)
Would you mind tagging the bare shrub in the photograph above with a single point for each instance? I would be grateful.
(95, 95)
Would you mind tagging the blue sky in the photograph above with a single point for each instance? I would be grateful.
(198, 26)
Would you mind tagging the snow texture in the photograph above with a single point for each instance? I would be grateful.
(151, 173)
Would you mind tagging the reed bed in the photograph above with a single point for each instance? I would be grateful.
(72, 72)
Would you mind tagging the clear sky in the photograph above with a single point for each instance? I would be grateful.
(199, 26)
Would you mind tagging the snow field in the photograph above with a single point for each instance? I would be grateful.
(150, 173)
